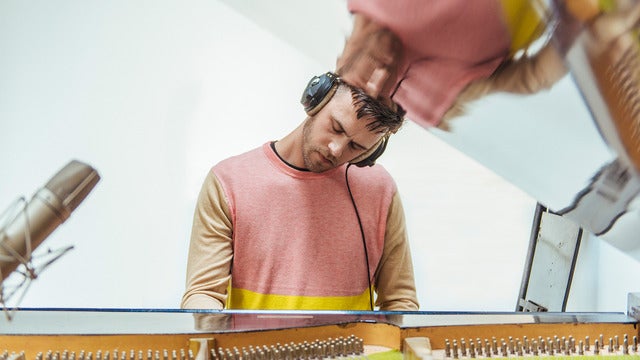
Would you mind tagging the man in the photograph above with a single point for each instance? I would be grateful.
(433, 59)
(290, 225)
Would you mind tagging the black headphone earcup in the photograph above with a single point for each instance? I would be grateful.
(318, 92)
(369, 158)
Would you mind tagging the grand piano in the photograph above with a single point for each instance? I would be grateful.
(590, 196)
(130, 334)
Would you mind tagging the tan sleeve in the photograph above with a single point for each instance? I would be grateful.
(210, 250)
(394, 281)
(530, 74)
(526, 75)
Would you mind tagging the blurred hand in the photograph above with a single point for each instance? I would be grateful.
(614, 32)
(370, 59)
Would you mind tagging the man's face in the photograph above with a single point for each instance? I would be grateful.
(335, 135)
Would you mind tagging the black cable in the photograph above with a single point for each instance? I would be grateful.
(364, 242)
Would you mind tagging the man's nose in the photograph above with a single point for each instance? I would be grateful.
(336, 147)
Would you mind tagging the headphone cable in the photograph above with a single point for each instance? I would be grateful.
(364, 242)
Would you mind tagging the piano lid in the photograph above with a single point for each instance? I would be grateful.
(159, 321)
(575, 147)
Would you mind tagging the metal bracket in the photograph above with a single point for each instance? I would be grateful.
(633, 305)
(551, 259)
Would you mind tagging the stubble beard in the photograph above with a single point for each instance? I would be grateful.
(308, 149)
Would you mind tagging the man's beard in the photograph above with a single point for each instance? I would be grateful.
(308, 149)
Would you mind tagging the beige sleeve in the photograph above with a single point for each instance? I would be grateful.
(395, 284)
(210, 250)
(526, 75)
(530, 74)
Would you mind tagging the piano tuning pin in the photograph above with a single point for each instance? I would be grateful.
(610, 347)
(455, 349)
(586, 343)
(625, 345)
(580, 348)
(534, 347)
(559, 344)
(572, 343)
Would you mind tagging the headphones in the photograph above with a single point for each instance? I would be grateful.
(317, 94)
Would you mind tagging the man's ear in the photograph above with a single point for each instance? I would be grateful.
(369, 157)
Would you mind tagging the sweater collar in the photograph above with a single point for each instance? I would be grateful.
(273, 157)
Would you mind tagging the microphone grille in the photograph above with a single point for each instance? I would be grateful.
(73, 183)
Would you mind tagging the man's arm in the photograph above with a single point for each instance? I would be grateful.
(370, 58)
(210, 250)
(394, 280)
(526, 75)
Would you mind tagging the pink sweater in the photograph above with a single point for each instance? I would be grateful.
(449, 43)
(295, 241)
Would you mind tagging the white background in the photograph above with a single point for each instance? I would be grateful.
(153, 93)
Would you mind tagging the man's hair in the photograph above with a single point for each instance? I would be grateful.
(384, 119)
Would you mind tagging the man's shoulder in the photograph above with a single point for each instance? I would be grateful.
(376, 170)
(241, 158)
(376, 174)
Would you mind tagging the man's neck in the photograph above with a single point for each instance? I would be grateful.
(273, 147)
(289, 148)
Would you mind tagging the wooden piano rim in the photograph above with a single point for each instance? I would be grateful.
(373, 333)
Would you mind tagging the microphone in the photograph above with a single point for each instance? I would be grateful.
(49, 207)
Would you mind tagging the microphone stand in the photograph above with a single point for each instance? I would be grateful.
(19, 280)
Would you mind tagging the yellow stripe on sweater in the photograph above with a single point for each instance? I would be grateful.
(525, 21)
(246, 299)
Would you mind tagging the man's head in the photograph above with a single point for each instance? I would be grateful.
(344, 124)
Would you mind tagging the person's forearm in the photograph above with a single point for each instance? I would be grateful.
(395, 281)
(210, 250)
(201, 301)
(526, 75)
(370, 58)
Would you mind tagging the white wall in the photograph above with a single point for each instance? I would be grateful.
(152, 94)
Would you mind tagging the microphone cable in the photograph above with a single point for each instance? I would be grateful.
(364, 242)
